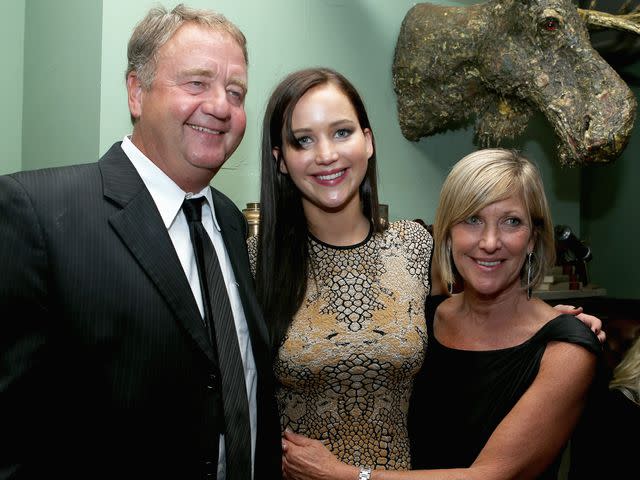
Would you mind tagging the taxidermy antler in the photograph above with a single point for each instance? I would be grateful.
(625, 22)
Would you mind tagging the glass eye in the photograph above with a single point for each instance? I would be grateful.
(551, 24)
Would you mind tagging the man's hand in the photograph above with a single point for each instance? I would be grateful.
(594, 323)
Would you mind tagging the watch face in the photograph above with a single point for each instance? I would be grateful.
(365, 474)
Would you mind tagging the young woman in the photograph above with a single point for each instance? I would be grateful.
(344, 293)
(505, 376)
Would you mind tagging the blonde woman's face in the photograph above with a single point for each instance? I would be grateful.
(489, 248)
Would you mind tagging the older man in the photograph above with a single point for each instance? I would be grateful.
(136, 347)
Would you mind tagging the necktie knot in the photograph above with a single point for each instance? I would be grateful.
(192, 208)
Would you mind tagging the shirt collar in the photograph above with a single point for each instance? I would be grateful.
(167, 196)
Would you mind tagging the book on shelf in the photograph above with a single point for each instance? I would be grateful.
(552, 287)
(555, 278)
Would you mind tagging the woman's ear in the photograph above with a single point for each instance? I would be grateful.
(532, 241)
(277, 155)
(368, 138)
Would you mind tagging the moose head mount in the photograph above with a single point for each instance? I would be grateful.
(502, 60)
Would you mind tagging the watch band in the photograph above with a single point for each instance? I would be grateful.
(365, 474)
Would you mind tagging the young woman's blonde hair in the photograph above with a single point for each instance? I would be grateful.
(485, 177)
(626, 375)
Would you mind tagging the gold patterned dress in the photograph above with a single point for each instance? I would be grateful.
(347, 363)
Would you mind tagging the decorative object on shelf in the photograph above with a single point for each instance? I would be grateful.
(569, 277)
(572, 254)
(384, 213)
(502, 60)
(252, 214)
(557, 279)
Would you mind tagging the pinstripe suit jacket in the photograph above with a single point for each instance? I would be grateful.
(104, 362)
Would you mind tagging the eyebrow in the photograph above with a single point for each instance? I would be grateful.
(241, 83)
(205, 72)
(337, 123)
(201, 72)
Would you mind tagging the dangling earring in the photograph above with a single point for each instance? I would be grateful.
(529, 255)
(450, 257)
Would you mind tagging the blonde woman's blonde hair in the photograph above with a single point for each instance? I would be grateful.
(626, 375)
(485, 177)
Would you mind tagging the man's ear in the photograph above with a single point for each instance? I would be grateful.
(281, 164)
(134, 94)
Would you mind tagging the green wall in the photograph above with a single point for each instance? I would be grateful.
(610, 218)
(61, 82)
(11, 78)
(74, 94)
(355, 37)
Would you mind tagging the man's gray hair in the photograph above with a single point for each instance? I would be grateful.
(154, 30)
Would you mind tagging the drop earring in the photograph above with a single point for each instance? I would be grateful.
(529, 292)
(450, 256)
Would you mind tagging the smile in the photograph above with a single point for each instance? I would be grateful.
(204, 129)
(331, 176)
(488, 264)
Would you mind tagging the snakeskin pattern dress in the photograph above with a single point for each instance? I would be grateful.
(347, 364)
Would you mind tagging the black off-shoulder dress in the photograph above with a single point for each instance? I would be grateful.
(460, 396)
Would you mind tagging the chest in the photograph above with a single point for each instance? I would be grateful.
(363, 314)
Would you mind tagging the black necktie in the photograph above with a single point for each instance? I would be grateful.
(221, 327)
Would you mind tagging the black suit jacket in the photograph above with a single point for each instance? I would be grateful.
(105, 365)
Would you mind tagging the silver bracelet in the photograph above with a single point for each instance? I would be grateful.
(365, 474)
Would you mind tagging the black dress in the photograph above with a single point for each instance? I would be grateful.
(461, 396)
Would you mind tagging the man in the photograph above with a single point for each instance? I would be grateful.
(111, 364)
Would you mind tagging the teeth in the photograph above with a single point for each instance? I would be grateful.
(488, 264)
(203, 129)
(332, 176)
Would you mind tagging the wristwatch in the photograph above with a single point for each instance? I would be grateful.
(365, 474)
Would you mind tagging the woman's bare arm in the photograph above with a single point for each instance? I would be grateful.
(522, 446)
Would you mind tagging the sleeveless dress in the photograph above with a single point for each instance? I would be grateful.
(462, 395)
(347, 364)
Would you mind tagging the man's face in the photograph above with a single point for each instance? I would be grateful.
(192, 117)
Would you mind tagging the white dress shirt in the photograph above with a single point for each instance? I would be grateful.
(168, 197)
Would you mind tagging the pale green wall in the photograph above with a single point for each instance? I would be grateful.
(12, 45)
(355, 37)
(74, 94)
(61, 82)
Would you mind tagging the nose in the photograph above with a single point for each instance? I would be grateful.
(216, 103)
(490, 240)
(325, 152)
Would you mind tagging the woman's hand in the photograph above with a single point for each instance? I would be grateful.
(307, 459)
(594, 323)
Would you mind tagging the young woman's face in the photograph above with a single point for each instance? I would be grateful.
(332, 160)
(490, 247)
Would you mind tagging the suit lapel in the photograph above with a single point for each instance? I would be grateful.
(139, 224)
